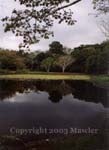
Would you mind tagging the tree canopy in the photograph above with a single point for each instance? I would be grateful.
(10, 60)
(47, 63)
(56, 48)
(84, 59)
(64, 61)
(101, 5)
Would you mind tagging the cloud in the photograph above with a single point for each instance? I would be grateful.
(85, 31)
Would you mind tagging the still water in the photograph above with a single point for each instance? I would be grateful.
(52, 105)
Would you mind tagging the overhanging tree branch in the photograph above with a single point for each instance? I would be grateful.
(36, 20)
(65, 6)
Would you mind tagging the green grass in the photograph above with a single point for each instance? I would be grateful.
(46, 76)
(101, 78)
(57, 76)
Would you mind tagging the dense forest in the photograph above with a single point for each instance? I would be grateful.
(82, 59)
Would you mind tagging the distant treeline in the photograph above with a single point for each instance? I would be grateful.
(82, 59)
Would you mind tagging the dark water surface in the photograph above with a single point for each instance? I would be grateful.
(52, 105)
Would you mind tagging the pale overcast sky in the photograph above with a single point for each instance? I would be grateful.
(85, 31)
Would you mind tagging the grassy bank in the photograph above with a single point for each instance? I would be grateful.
(101, 78)
(56, 76)
(46, 76)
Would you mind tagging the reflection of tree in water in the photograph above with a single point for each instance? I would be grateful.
(9, 88)
(56, 89)
(55, 96)
(87, 91)
(66, 88)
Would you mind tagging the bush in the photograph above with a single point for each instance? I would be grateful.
(2, 71)
(22, 71)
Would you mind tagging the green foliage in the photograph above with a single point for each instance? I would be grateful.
(83, 59)
(4, 71)
(56, 48)
(38, 60)
(92, 58)
(63, 61)
(10, 60)
(29, 60)
(47, 63)
(24, 71)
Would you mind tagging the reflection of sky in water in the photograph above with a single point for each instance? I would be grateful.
(41, 98)
(31, 109)
(55, 104)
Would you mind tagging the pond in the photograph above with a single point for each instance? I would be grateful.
(52, 107)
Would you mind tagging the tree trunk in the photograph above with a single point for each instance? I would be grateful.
(63, 69)
(107, 67)
(48, 69)
(108, 71)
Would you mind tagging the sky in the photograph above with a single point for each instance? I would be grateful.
(85, 31)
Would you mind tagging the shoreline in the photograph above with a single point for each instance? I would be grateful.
(58, 142)
(45, 77)
(103, 79)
